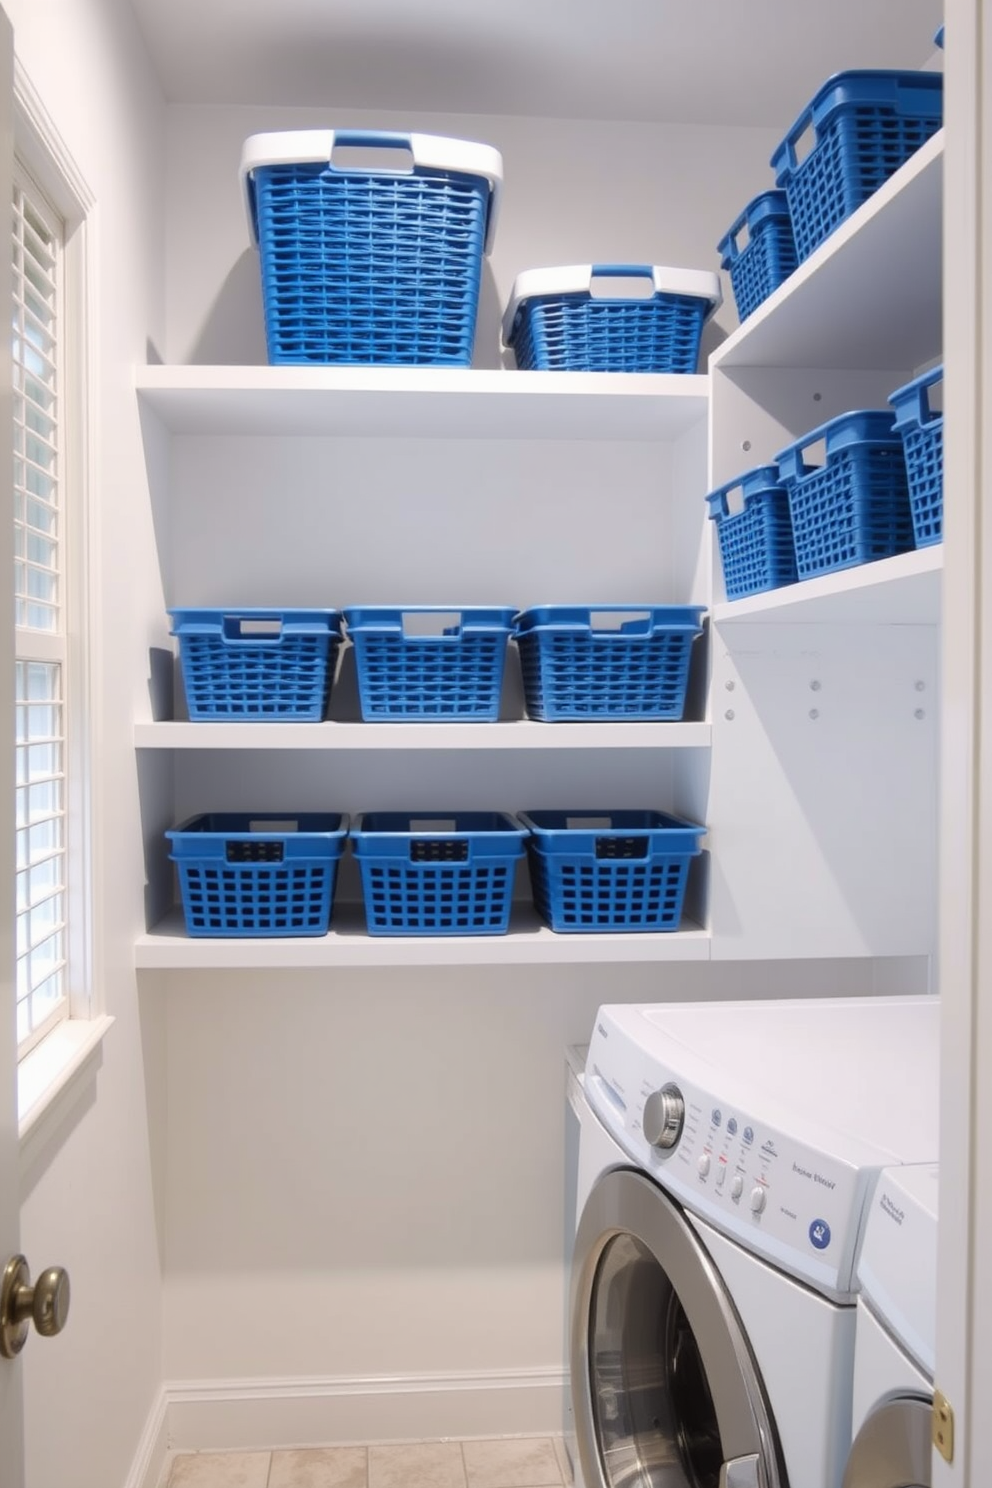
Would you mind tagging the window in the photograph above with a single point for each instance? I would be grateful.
(40, 615)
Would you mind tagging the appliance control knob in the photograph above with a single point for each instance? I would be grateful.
(757, 1200)
(664, 1113)
(703, 1164)
(736, 1186)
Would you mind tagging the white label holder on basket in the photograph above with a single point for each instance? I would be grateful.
(317, 146)
(578, 279)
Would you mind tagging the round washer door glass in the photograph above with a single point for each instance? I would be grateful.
(665, 1390)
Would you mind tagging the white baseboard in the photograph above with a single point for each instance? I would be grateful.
(239, 1415)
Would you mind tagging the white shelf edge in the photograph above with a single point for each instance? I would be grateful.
(522, 735)
(422, 402)
(902, 590)
(733, 351)
(167, 947)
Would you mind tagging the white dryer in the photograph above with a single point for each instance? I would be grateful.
(726, 1159)
(894, 1339)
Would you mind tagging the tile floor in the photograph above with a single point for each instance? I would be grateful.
(510, 1462)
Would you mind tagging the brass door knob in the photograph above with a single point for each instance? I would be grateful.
(46, 1304)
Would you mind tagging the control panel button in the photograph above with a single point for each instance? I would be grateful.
(737, 1186)
(732, 1126)
(721, 1175)
(757, 1200)
(716, 1117)
(748, 1135)
(703, 1164)
(819, 1234)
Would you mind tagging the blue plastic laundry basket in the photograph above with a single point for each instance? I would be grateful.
(369, 263)
(556, 321)
(437, 873)
(257, 665)
(756, 546)
(429, 663)
(855, 507)
(262, 875)
(759, 251)
(609, 870)
(606, 661)
(866, 125)
(922, 429)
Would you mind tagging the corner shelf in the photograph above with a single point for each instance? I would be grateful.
(522, 735)
(422, 402)
(905, 590)
(528, 943)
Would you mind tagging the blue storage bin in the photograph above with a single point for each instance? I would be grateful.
(854, 508)
(257, 665)
(370, 264)
(865, 126)
(759, 251)
(609, 870)
(756, 546)
(606, 661)
(921, 428)
(435, 873)
(554, 321)
(264, 875)
(428, 662)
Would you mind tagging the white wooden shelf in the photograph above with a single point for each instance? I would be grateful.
(528, 943)
(905, 590)
(422, 402)
(869, 296)
(523, 735)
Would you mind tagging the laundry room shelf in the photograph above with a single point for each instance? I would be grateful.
(905, 590)
(528, 943)
(422, 402)
(519, 735)
(875, 282)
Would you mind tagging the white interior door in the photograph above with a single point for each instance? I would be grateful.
(11, 1418)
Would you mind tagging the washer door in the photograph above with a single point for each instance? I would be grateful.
(665, 1391)
(893, 1448)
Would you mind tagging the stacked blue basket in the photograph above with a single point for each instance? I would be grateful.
(433, 873)
(759, 251)
(921, 427)
(865, 126)
(429, 663)
(855, 507)
(558, 321)
(262, 875)
(606, 661)
(257, 665)
(609, 871)
(369, 263)
(756, 546)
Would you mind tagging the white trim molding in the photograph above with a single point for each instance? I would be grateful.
(264, 1414)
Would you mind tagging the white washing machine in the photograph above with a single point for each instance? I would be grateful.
(726, 1157)
(894, 1338)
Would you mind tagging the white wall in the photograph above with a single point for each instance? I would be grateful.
(87, 1195)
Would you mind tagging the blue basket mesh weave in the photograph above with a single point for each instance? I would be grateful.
(756, 547)
(758, 266)
(243, 875)
(456, 672)
(577, 333)
(922, 431)
(854, 508)
(609, 870)
(866, 124)
(606, 661)
(435, 873)
(257, 665)
(370, 268)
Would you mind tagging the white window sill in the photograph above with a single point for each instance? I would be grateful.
(53, 1078)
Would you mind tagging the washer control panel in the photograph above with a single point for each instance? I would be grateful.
(798, 1205)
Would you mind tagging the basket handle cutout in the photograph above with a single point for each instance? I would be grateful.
(803, 143)
(356, 150)
(627, 621)
(588, 823)
(238, 628)
(433, 824)
(933, 399)
(625, 848)
(612, 282)
(814, 455)
(269, 824)
(435, 623)
(253, 852)
(733, 500)
(439, 850)
(741, 238)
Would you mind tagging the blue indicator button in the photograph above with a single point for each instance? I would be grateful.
(732, 1126)
(716, 1117)
(819, 1234)
(748, 1134)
